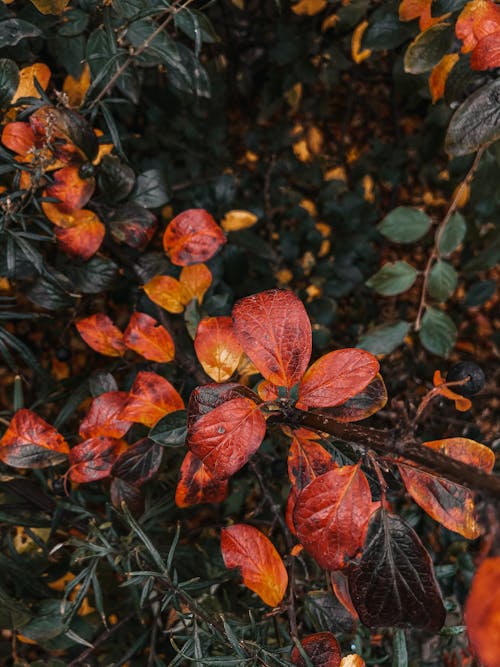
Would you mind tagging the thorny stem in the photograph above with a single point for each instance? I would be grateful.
(439, 232)
(387, 443)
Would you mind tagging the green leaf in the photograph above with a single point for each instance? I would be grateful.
(115, 179)
(74, 23)
(476, 122)
(9, 80)
(384, 339)
(428, 48)
(480, 293)
(393, 278)
(150, 189)
(171, 430)
(452, 235)
(442, 281)
(405, 224)
(385, 30)
(438, 332)
(96, 275)
(399, 651)
(195, 25)
(12, 31)
(47, 295)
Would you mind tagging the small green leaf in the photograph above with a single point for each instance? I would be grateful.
(428, 48)
(452, 235)
(405, 224)
(171, 430)
(442, 281)
(9, 80)
(476, 122)
(393, 278)
(384, 339)
(438, 332)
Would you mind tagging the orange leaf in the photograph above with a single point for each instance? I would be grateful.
(76, 89)
(72, 191)
(192, 236)
(84, 237)
(217, 347)
(322, 649)
(197, 485)
(332, 514)
(30, 442)
(482, 612)
(461, 403)
(174, 295)
(478, 19)
(307, 459)
(451, 504)
(363, 405)
(358, 54)
(419, 9)
(486, 54)
(309, 7)
(290, 508)
(151, 398)
(260, 564)
(99, 332)
(274, 330)
(18, 137)
(103, 418)
(196, 279)
(149, 338)
(66, 132)
(340, 586)
(336, 377)
(226, 437)
(352, 660)
(233, 221)
(93, 459)
(438, 76)
(267, 390)
(27, 76)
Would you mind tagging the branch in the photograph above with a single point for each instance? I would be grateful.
(386, 443)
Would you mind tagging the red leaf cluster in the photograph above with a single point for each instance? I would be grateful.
(478, 28)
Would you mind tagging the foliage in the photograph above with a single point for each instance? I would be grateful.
(230, 232)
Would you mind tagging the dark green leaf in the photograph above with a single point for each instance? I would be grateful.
(138, 463)
(9, 80)
(480, 293)
(74, 22)
(171, 430)
(115, 178)
(13, 613)
(133, 225)
(50, 296)
(428, 48)
(405, 225)
(195, 25)
(384, 339)
(452, 235)
(442, 281)
(438, 332)
(12, 31)
(385, 30)
(96, 275)
(393, 278)
(150, 189)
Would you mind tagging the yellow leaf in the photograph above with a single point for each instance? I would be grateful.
(27, 75)
(330, 22)
(335, 174)
(368, 185)
(51, 6)
(309, 206)
(359, 55)
(438, 76)
(236, 220)
(301, 151)
(76, 89)
(309, 7)
(315, 140)
(293, 96)
(462, 194)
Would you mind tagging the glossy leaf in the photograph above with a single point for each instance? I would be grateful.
(217, 347)
(394, 583)
(227, 436)
(331, 516)
(92, 459)
(274, 330)
(29, 442)
(149, 338)
(191, 237)
(72, 191)
(307, 459)
(103, 418)
(138, 463)
(482, 612)
(255, 556)
(336, 377)
(206, 397)
(150, 398)
(322, 649)
(99, 332)
(197, 485)
(171, 430)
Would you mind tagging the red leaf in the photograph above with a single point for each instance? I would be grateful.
(290, 509)
(99, 332)
(274, 330)
(307, 459)
(197, 485)
(92, 459)
(103, 416)
(421, 9)
(332, 514)
(362, 405)
(151, 398)
(83, 237)
(336, 377)
(217, 347)
(486, 54)
(18, 137)
(482, 612)
(322, 649)
(149, 338)
(340, 586)
(261, 566)
(72, 191)
(30, 442)
(206, 397)
(226, 437)
(192, 236)
(477, 20)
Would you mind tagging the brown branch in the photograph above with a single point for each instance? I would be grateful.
(387, 443)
